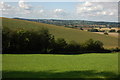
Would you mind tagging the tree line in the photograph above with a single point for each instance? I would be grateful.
(41, 41)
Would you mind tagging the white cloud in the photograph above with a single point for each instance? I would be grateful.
(84, 11)
(62, 0)
(111, 13)
(23, 5)
(98, 9)
(107, 13)
(24, 8)
(102, 13)
(6, 9)
(58, 10)
(88, 7)
(41, 11)
(88, 4)
(4, 6)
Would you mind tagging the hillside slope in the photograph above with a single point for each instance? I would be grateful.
(61, 32)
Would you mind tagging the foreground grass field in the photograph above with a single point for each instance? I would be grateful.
(60, 66)
(61, 32)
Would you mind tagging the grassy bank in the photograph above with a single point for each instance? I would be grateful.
(60, 66)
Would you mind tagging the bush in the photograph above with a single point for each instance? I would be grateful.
(105, 33)
(73, 47)
(6, 39)
(93, 30)
(117, 49)
(92, 45)
(59, 45)
(112, 30)
(118, 31)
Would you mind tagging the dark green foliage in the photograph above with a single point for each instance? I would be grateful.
(73, 47)
(59, 45)
(118, 31)
(22, 41)
(19, 41)
(92, 45)
(41, 41)
(101, 30)
(117, 49)
(6, 39)
(93, 30)
(106, 33)
(112, 30)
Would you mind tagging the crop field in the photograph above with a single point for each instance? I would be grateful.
(94, 65)
(61, 32)
(116, 35)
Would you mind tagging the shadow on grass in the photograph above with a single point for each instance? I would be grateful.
(52, 74)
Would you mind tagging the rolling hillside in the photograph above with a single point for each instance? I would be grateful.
(60, 32)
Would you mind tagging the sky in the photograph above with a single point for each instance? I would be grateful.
(92, 10)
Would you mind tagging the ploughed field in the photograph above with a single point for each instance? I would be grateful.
(94, 65)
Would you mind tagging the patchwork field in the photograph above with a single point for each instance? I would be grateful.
(92, 65)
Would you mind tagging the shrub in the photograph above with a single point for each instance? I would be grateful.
(6, 39)
(112, 30)
(118, 31)
(93, 30)
(92, 45)
(73, 47)
(105, 33)
(101, 30)
(59, 45)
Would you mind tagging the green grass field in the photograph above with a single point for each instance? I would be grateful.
(60, 66)
(61, 32)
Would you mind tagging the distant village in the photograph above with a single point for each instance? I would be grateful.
(96, 28)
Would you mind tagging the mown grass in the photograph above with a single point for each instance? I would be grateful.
(60, 32)
(92, 65)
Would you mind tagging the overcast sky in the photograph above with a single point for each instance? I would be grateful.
(93, 10)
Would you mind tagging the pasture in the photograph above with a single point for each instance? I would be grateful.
(116, 35)
(94, 65)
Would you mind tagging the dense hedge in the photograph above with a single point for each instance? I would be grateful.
(93, 30)
(41, 41)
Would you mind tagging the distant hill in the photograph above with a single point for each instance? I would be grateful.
(74, 23)
(60, 32)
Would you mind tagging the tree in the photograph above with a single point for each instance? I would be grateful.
(73, 47)
(5, 39)
(23, 41)
(60, 45)
(19, 41)
(92, 45)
